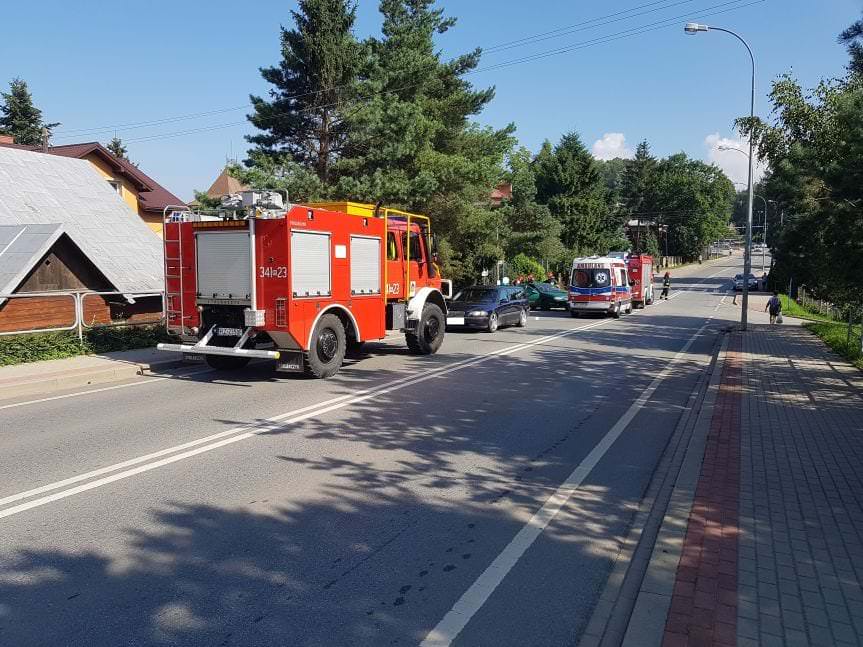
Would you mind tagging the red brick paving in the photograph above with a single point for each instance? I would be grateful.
(704, 604)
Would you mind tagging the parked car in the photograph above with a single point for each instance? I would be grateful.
(545, 296)
(488, 307)
(738, 282)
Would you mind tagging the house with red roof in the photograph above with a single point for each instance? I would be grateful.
(142, 193)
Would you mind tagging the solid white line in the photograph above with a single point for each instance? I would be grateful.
(146, 380)
(231, 436)
(480, 591)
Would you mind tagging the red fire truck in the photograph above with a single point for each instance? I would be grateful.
(302, 284)
(640, 268)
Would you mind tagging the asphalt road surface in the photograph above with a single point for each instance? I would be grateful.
(476, 497)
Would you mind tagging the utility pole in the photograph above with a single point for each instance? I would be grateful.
(44, 139)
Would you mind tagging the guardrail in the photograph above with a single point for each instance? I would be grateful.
(78, 321)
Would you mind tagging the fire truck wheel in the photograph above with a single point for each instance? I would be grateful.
(430, 331)
(327, 350)
(225, 363)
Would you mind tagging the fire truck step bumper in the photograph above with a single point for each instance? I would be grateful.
(216, 350)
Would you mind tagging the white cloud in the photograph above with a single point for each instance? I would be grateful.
(610, 146)
(735, 164)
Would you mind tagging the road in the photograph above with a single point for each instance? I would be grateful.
(476, 497)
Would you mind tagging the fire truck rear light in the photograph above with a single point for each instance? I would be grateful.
(255, 318)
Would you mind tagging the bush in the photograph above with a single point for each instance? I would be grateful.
(19, 349)
(523, 265)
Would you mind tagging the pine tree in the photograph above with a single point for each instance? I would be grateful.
(117, 148)
(570, 183)
(20, 117)
(636, 192)
(304, 116)
(411, 141)
(852, 38)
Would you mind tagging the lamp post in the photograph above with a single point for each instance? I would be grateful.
(693, 28)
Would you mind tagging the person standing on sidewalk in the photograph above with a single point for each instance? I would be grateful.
(774, 305)
(666, 286)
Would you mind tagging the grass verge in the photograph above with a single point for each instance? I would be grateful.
(835, 335)
(20, 349)
(790, 308)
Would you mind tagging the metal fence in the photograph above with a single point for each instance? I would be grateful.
(820, 306)
(77, 320)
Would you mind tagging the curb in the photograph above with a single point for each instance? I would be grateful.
(646, 627)
(610, 617)
(114, 372)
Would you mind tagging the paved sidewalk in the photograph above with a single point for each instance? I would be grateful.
(801, 490)
(37, 378)
(773, 553)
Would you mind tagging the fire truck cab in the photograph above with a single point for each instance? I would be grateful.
(641, 277)
(599, 284)
(302, 285)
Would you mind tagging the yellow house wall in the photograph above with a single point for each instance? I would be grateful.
(154, 223)
(128, 193)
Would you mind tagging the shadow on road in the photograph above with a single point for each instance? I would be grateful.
(377, 542)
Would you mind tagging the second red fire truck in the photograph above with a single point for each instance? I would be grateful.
(300, 284)
(640, 268)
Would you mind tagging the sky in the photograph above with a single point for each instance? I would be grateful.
(630, 72)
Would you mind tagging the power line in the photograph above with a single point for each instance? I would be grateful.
(562, 31)
(636, 31)
(628, 33)
(593, 23)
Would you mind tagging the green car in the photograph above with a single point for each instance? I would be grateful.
(545, 296)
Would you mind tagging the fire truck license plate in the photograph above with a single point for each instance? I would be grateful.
(229, 332)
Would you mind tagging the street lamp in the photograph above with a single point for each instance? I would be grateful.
(693, 28)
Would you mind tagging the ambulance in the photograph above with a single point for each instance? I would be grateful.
(599, 284)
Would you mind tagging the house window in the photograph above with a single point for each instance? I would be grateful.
(116, 186)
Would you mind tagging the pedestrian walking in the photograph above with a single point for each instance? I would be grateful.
(774, 305)
(666, 286)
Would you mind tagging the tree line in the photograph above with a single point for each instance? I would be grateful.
(388, 118)
(814, 148)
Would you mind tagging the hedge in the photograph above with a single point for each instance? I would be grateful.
(19, 349)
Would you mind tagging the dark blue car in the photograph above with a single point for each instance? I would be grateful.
(488, 307)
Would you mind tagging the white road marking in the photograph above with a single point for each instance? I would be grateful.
(480, 591)
(237, 434)
(146, 380)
